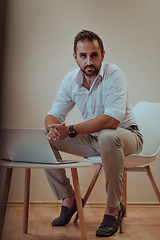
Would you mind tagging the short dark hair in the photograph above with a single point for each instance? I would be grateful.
(89, 36)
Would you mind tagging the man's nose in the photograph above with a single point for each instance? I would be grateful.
(89, 60)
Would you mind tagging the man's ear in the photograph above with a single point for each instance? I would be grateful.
(103, 55)
(74, 55)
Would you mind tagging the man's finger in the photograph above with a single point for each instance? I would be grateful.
(55, 131)
(52, 125)
(52, 137)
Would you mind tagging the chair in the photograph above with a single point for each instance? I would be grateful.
(147, 115)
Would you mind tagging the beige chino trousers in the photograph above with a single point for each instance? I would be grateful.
(112, 145)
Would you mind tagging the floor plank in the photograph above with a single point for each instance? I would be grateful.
(140, 223)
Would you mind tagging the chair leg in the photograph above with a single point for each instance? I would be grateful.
(154, 185)
(5, 197)
(79, 203)
(124, 200)
(26, 199)
(125, 191)
(89, 190)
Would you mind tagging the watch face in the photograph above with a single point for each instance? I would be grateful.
(72, 134)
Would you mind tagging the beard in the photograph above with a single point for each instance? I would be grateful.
(90, 72)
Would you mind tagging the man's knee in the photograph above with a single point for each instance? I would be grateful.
(108, 139)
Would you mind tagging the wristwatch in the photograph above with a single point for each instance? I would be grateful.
(72, 133)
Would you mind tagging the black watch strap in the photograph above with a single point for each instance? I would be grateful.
(72, 133)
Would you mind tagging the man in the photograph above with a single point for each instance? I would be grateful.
(100, 91)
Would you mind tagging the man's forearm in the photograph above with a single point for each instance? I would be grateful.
(58, 131)
(50, 120)
(96, 125)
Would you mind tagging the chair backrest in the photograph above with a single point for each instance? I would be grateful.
(148, 119)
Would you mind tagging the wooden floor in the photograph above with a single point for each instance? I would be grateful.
(140, 223)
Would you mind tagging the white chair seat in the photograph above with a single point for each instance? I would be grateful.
(131, 161)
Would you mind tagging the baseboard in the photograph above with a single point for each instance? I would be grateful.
(143, 204)
(91, 205)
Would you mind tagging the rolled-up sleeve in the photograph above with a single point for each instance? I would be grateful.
(116, 97)
(63, 104)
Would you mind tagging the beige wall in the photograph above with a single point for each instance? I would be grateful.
(39, 44)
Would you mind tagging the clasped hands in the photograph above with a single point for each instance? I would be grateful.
(57, 132)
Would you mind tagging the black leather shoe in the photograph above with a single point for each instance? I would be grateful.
(110, 224)
(66, 214)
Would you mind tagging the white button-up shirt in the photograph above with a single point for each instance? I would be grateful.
(107, 95)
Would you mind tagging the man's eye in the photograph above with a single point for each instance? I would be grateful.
(83, 55)
(94, 55)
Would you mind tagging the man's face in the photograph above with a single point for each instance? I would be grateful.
(89, 57)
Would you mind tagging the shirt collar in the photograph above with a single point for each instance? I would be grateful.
(79, 75)
(102, 69)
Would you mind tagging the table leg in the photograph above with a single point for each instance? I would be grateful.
(5, 197)
(79, 203)
(26, 199)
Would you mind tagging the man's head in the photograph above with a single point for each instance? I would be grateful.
(86, 35)
(88, 53)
